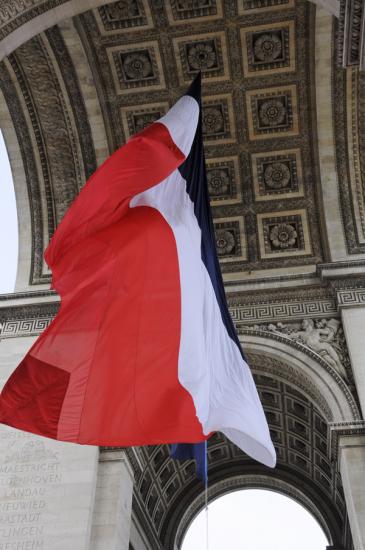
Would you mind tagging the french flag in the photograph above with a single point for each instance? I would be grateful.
(143, 350)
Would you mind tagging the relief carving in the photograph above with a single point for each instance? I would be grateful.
(12, 8)
(272, 113)
(283, 236)
(324, 336)
(322, 339)
(268, 47)
(277, 175)
(202, 56)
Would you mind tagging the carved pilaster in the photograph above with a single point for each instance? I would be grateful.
(351, 50)
(351, 463)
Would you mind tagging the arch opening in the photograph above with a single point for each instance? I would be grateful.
(8, 224)
(298, 422)
(257, 519)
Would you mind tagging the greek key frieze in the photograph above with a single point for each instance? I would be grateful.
(266, 312)
(23, 327)
(27, 319)
(351, 297)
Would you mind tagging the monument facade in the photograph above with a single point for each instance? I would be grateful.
(284, 130)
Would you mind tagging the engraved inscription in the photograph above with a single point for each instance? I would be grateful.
(27, 471)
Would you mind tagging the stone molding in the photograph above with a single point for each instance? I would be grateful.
(23, 327)
(354, 297)
(21, 20)
(240, 314)
(15, 14)
(27, 319)
(297, 309)
(53, 132)
(352, 37)
(338, 430)
(348, 121)
(246, 307)
(347, 269)
(340, 383)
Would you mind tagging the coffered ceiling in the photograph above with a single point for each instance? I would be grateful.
(257, 63)
(255, 58)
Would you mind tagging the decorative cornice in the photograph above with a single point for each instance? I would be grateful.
(352, 36)
(33, 295)
(352, 297)
(282, 311)
(27, 319)
(347, 269)
(340, 108)
(272, 305)
(338, 430)
(301, 279)
(14, 13)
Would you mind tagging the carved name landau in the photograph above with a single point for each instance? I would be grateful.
(30, 475)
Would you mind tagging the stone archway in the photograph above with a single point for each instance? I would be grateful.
(297, 364)
(20, 21)
(292, 380)
(94, 108)
(301, 397)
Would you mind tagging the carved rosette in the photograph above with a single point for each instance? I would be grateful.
(225, 241)
(272, 113)
(218, 182)
(276, 175)
(213, 120)
(202, 56)
(267, 47)
(283, 235)
(137, 65)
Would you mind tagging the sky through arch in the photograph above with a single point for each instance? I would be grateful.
(255, 519)
(8, 224)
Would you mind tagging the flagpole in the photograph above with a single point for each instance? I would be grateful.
(206, 493)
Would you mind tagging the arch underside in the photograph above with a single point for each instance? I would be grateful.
(261, 171)
(167, 496)
(96, 98)
(300, 409)
(20, 21)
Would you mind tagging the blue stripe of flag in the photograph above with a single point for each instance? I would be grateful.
(193, 172)
(193, 451)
